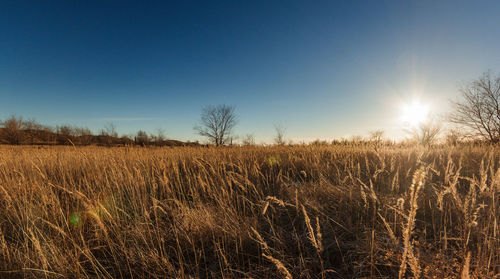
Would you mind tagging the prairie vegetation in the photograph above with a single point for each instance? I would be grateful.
(16, 131)
(249, 212)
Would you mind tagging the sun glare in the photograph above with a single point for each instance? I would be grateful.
(414, 113)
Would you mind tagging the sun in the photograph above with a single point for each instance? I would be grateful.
(414, 113)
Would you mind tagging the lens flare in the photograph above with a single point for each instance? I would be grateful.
(75, 219)
(414, 114)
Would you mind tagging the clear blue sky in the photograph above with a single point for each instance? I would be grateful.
(326, 69)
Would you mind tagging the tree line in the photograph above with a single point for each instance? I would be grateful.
(16, 131)
(476, 117)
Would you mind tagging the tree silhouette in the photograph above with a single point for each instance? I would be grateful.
(479, 110)
(217, 123)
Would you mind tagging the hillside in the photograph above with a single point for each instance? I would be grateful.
(49, 137)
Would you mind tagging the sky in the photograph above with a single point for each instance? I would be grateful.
(321, 69)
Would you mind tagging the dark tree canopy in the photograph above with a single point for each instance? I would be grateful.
(217, 123)
(479, 110)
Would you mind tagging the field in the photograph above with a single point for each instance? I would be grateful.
(249, 212)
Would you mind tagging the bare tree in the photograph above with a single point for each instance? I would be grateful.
(453, 137)
(479, 110)
(217, 123)
(231, 140)
(13, 130)
(279, 139)
(377, 136)
(159, 137)
(83, 134)
(142, 138)
(426, 133)
(356, 140)
(65, 130)
(65, 134)
(32, 130)
(108, 134)
(248, 140)
(109, 130)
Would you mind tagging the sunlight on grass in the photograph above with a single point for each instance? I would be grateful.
(265, 212)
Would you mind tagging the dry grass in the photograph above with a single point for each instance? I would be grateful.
(252, 212)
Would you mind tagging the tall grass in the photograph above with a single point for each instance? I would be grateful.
(252, 212)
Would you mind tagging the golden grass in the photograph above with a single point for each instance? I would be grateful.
(249, 212)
